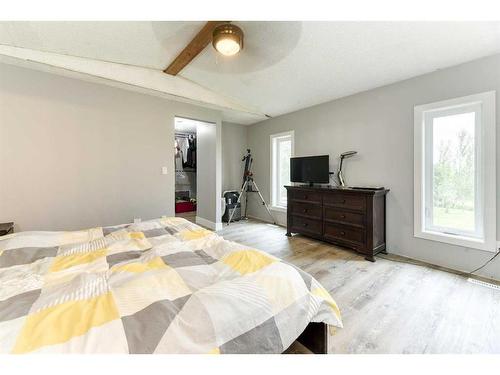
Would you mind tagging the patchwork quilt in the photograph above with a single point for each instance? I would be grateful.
(160, 286)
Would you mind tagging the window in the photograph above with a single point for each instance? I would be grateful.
(455, 178)
(281, 152)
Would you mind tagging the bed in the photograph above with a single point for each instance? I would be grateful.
(159, 286)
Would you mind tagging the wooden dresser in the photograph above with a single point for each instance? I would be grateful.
(354, 218)
(6, 228)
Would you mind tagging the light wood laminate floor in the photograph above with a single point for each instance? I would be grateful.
(387, 306)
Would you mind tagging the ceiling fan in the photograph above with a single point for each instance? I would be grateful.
(226, 38)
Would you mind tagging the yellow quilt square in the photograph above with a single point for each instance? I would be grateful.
(248, 261)
(63, 262)
(58, 324)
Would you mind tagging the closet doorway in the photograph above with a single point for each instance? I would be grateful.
(197, 171)
(185, 149)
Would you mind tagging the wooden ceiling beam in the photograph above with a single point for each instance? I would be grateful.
(193, 49)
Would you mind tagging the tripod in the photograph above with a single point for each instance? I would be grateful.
(248, 187)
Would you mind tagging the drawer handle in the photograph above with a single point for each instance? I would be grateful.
(343, 201)
(305, 224)
(305, 210)
(305, 196)
(342, 216)
(342, 233)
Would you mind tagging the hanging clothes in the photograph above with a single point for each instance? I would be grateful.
(178, 156)
(178, 162)
(185, 160)
(183, 144)
(191, 152)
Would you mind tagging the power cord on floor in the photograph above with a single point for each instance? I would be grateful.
(463, 273)
(485, 264)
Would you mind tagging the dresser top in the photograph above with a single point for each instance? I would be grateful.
(349, 190)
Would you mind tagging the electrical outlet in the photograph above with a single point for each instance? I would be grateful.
(164, 170)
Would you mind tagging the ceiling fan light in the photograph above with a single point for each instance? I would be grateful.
(227, 39)
(227, 47)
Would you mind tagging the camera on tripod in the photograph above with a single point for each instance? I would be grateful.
(233, 210)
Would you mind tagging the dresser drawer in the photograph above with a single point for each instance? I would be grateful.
(344, 217)
(307, 209)
(306, 196)
(351, 202)
(344, 234)
(303, 225)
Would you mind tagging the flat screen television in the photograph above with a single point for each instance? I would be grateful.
(310, 169)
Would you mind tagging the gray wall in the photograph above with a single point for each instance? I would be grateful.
(234, 145)
(75, 154)
(379, 125)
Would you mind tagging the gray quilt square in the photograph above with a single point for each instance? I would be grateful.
(207, 258)
(25, 255)
(188, 258)
(154, 232)
(19, 305)
(171, 230)
(263, 339)
(109, 230)
(145, 328)
(121, 257)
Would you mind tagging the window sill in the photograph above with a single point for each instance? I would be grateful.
(457, 240)
(278, 208)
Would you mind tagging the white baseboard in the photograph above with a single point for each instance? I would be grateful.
(208, 224)
(266, 220)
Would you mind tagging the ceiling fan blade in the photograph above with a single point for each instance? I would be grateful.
(195, 46)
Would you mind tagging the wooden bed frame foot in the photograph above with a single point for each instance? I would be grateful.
(315, 338)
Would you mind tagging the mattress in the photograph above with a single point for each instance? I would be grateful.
(159, 286)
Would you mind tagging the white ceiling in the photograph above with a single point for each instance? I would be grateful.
(284, 66)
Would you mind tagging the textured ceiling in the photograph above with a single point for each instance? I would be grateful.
(284, 66)
(146, 44)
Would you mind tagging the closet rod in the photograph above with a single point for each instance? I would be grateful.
(185, 134)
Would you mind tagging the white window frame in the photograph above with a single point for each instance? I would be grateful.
(484, 238)
(274, 175)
